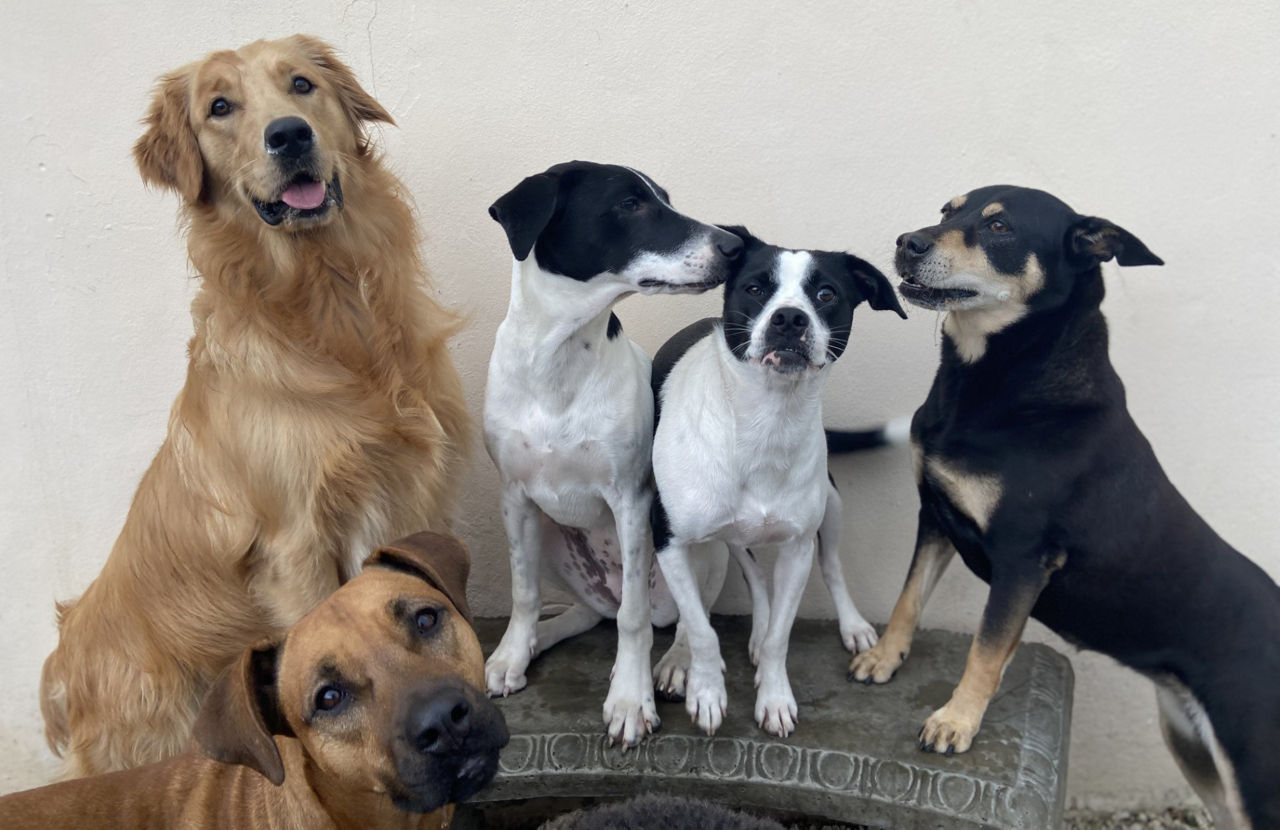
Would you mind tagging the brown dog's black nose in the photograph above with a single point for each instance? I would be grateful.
(440, 724)
(789, 320)
(290, 137)
(914, 244)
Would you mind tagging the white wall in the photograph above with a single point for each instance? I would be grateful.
(828, 124)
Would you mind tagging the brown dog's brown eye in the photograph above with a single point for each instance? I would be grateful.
(996, 226)
(826, 295)
(426, 620)
(302, 86)
(329, 698)
(220, 107)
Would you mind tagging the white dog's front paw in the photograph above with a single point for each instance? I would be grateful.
(858, 635)
(629, 710)
(504, 670)
(776, 710)
(672, 671)
(705, 699)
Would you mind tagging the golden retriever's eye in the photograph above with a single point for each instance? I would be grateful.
(220, 107)
(826, 294)
(996, 226)
(426, 620)
(302, 86)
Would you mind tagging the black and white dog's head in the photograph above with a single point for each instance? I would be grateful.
(789, 311)
(584, 220)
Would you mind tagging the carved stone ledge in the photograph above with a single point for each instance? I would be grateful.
(853, 757)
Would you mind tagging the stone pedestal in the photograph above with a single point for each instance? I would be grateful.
(852, 759)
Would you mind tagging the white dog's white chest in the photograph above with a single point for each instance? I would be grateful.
(563, 479)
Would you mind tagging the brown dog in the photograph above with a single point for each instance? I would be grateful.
(369, 713)
(321, 415)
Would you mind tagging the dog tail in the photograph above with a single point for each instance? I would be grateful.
(897, 431)
(53, 695)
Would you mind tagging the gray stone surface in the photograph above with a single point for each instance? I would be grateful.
(853, 758)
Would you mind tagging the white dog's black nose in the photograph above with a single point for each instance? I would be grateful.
(914, 244)
(290, 137)
(789, 320)
(440, 724)
(730, 245)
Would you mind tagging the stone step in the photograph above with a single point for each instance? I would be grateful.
(853, 758)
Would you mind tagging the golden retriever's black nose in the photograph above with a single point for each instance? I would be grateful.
(914, 244)
(290, 137)
(441, 724)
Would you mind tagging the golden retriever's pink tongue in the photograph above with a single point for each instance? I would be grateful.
(304, 196)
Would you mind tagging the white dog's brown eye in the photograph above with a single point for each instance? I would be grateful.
(996, 226)
(426, 620)
(220, 107)
(826, 294)
(753, 290)
(328, 698)
(302, 86)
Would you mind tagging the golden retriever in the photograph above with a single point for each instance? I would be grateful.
(321, 414)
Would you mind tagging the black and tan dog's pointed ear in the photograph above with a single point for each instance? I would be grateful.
(167, 154)
(875, 286)
(360, 106)
(1092, 240)
(242, 712)
(441, 560)
(525, 210)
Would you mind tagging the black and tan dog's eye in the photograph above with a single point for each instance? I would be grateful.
(302, 86)
(425, 620)
(220, 107)
(826, 294)
(329, 698)
(631, 203)
(996, 226)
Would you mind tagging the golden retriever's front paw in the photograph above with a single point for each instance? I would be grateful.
(949, 730)
(879, 664)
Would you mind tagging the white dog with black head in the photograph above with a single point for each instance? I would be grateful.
(568, 416)
(740, 459)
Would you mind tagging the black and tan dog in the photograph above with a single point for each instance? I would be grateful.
(1029, 465)
(370, 713)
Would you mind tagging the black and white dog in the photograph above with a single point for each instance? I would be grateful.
(568, 416)
(740, 459)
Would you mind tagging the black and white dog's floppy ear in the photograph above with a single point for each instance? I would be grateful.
(525, 210)
(874, 285)
(1092, 240)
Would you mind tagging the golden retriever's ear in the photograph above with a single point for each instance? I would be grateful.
(242, 712)
(360, 105)
(168, 154)
(441, 560)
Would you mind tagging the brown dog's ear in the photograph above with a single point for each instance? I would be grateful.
(441, 560)
(242, 712)
(1092, 240)
(359, 105)
(168, 154)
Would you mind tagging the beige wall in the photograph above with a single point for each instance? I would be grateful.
(830, 124)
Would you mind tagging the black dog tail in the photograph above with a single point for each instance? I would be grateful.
(897, 431)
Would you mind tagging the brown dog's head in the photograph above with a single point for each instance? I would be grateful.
(262, 133)
(382, 684)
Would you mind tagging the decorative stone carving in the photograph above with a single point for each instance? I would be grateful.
(853, 758)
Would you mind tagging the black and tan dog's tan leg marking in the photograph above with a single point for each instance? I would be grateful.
(1015, 586)
(932, 555)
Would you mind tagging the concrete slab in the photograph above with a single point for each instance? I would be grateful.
(853, 758)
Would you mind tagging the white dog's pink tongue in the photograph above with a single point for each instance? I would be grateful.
(304, 195)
